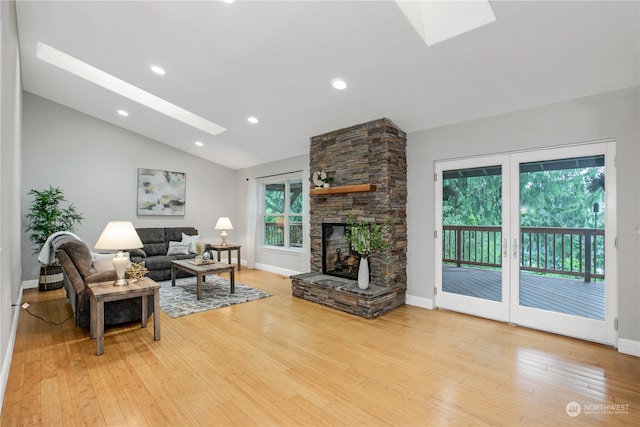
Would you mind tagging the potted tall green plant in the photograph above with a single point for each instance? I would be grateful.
(47, 216)
(365, 238)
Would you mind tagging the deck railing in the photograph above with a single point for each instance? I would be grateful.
(577, 252)
(274, 234)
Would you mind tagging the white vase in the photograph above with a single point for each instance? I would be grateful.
(363, 273)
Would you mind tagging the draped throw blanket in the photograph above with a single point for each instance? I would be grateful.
(47, 254)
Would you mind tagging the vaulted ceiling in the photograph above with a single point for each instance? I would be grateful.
(275, 61)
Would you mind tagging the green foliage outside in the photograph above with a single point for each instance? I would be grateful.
(275, 199)
(472, 201)
(557, 198)
(564, 198)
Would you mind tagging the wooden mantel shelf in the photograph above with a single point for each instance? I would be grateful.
(360, 188)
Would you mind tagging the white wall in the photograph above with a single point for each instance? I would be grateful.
(610, 115)
(10, 166)
(96, 163)
(278, 261)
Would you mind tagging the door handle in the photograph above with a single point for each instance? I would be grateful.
(515, 248)
(505, 248)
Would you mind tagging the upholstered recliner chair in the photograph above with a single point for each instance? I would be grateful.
(80, 275)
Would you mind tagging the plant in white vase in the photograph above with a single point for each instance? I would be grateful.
(365, 237)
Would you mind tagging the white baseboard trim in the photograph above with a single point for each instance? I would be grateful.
(419, 302)
(6, 365)
(630, 347)
(277, 270)
(30, 284)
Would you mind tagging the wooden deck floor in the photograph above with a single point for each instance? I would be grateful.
(570, 296)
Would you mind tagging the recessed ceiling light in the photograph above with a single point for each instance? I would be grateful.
(228, 1)
(90, 73)
(199, 144)
(339, 84)
(158, 70)
(253, 120)
(123, 113)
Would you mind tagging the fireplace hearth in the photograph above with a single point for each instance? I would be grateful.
(344, 294)
(368, 164)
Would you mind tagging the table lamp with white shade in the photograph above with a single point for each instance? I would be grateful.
(224, 224)
(119, 236)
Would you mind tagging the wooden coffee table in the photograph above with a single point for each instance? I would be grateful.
(201, 271)
(105, 291)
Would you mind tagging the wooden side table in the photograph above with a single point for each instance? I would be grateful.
(105, 291)
(228, 248)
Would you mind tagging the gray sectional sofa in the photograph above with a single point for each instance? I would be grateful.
(154, 252)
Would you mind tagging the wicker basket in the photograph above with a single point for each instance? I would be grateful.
(50, 278)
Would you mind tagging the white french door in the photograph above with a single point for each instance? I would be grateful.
(458, 288)
(510, 247)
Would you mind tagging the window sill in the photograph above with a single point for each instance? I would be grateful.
(278, 249)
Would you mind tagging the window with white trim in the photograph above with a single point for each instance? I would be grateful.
(282, 210)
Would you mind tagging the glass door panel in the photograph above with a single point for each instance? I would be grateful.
(562, 236)
(559, 282)
(471, 238)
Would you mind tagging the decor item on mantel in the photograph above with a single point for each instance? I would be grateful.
(318, 177)
(321, 180)
(48, 220)
(365, 237)
(327, 181)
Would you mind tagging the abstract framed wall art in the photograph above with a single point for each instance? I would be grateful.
(161, 192)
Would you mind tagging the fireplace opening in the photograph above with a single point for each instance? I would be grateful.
(338, 259)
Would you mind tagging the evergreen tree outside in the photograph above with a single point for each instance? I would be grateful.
(569, 198)
(275, 201)
(557, 198)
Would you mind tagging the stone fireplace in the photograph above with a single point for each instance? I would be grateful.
(368, 164)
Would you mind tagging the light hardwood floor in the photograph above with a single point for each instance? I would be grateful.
(283, 361)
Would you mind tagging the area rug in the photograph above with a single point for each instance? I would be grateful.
(180, 300)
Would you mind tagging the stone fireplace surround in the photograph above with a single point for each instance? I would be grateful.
(368, 164)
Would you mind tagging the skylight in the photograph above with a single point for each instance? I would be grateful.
(437, 21)
(90, 73)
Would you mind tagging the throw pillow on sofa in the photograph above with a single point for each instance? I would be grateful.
(102, 262)
(178, 248)
(191, 240)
